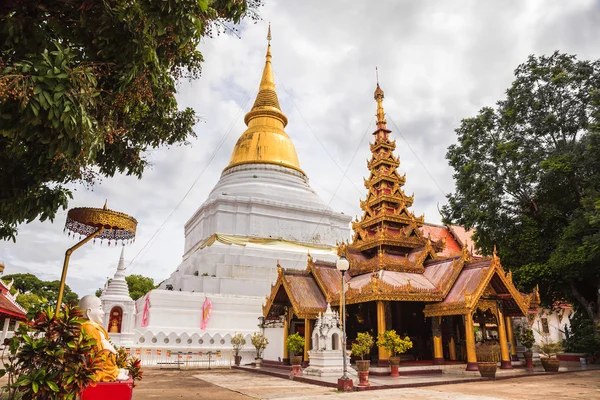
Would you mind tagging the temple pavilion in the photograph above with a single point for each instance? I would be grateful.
(404, 275)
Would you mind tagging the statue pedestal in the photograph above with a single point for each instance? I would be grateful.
(120, 390)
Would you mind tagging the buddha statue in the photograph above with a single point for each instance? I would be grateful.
(91, 308)
(114, 326)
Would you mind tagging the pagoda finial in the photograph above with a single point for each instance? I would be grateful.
(379, 96)
(265, 141)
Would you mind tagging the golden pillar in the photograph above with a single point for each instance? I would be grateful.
(505, 356)
(470, 339)
(286, 329)
(307, 338)
(436, 331)
(381, 327)
(451, 340)
(511, 339)
(452, 348)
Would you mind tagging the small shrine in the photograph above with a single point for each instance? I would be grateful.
(419, 279)
(326, 356)
(119, 307)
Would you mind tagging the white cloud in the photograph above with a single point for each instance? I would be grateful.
(438, 62)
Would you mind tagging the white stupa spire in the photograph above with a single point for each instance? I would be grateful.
(117, 288)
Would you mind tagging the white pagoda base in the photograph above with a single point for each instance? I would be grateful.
(327, 363)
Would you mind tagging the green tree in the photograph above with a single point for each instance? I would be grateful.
(87, 87)
(139, 285)
(528, 179)
(29, 283)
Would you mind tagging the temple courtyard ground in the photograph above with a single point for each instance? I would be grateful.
(237, 385)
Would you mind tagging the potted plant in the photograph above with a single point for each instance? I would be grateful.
(488, 355)
(548, 350)
(295, 345)
(361, 348)
(525, 337)
(260, 342)
(237, 343)
(393, 343)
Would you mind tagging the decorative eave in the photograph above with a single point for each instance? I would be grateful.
(471, 300)
(377, 289)
(390, 144)
(298, 308)
(376, 199)
(392, 161)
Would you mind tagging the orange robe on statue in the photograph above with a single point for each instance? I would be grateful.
(110, 371)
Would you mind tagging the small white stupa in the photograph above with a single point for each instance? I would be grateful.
(119, 307)
(326, 356)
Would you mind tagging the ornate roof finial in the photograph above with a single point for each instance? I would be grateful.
(494, 254)
(105, 205)
(379, 96)
(269, 35)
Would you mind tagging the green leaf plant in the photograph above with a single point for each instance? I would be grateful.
(394, 343)
(362, 345)
(295, 344)
(50, 357)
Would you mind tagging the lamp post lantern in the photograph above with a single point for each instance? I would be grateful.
(345, 384)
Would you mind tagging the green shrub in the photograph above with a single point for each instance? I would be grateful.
(295, 344)
(362, 345)
(525, 336)
(583, 336)
(393, 342)
(50, 357)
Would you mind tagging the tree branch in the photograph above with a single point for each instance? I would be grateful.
(586, 304)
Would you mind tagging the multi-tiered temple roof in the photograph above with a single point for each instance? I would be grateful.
(396, 256)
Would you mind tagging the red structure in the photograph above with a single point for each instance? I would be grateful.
(109, 390)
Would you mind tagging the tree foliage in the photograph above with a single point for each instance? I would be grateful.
(87, 87)
(528, 179)
(139, 285)
(34, 290)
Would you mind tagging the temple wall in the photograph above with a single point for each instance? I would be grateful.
(274, 351)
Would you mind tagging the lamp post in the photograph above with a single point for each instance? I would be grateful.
(345, 384)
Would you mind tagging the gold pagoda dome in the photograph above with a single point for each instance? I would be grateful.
(265, 141)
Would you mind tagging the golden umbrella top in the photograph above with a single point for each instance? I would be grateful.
(115, 225)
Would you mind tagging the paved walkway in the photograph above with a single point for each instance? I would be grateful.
(237, 385)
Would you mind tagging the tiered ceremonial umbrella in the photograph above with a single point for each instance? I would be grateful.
(100, 223)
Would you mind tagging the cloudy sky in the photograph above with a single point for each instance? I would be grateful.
(438, 61)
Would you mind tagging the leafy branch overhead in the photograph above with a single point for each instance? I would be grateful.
(87, 87)
(528, 179)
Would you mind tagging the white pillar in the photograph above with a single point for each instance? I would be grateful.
(5, 329)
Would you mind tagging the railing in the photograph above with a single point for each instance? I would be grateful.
(187, 358)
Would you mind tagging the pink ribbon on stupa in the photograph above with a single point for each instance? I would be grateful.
(206, 309)
(146, 313)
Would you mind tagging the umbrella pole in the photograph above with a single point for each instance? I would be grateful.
(68, 253)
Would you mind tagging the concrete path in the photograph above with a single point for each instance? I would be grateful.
(237, 385)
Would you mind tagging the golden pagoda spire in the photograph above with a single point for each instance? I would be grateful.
(379, 96)
(265, 141)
